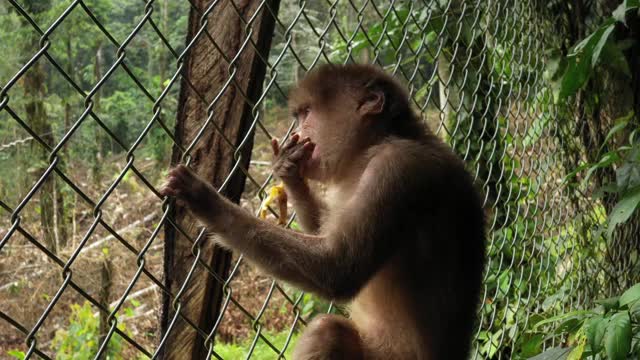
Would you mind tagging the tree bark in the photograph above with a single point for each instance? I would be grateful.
(162, 53)
(36, 115)
(98, 147)
(211, 157)
(106, 283)
(34, 92)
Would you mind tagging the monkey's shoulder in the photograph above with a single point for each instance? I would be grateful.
(428, 158)
(423, 172)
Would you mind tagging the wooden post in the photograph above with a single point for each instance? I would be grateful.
(106, 283)
(211, 157)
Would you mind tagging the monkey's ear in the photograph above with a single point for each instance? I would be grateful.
(372, 103)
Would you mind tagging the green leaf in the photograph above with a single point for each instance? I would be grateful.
(613, 57)
(609, 303)
(422, 92)
(631, 295)
(606, 160)
(567, 316)
(569, 326)
(592, 44)
(490, 345)
(620, 123)
(129, 312)
(626, 43)
(576, 75)
(556, 65)
(580, 61)
(532, 346)
(575, 172)
(431, 37)
(623, 209)
(576, 353)
(617, 340)
(628, 176)
(536, 129)
(600, 43)
(556, 353)
(504, 281)
(17, 354)
(634, 310)
(599, 193)
(595, 329)
(620, 12)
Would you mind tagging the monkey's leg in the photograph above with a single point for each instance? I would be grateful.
(329, 337)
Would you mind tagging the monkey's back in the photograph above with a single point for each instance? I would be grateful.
(449, 252)
(440, 237)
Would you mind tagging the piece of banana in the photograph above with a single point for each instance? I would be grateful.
(277, 194)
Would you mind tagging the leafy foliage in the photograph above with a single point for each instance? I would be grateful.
(609, 330)
(570, 74)
(122, 105)
(262, 350)
(625, 161)
(80, 339)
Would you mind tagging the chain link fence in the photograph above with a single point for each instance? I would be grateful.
(82, 221)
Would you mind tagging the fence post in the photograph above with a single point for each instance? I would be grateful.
(206, 71)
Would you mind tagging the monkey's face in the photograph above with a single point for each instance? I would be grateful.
(308, 127)
(333, 132)
(338, 111)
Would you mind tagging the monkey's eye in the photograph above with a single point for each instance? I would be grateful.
(303, 112)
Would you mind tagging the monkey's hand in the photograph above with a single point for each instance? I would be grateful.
(288, 162)
(198, 195)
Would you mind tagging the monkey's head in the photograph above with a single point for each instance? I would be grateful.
(346, 109)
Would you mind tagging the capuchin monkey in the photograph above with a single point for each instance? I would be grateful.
(400, 236)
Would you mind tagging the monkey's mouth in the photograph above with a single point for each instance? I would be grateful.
(311, 162)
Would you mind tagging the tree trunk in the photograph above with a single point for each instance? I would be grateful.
(103, 298)
(61, 204)
(60, 207)
(162, 53)
(213, 158)
(98, 147)
(34, 93)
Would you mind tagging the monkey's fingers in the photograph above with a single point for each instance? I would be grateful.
(179, 172)
(170, 189)
(302, 151)
(293, 140)
(300, 143)
(170, 192)
(183, 175)
(275, 147)
(180, 182)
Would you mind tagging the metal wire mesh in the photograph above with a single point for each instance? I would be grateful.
(475, 74)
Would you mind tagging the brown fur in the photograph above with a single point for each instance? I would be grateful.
(402, 237)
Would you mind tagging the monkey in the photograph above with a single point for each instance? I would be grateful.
(399, 237)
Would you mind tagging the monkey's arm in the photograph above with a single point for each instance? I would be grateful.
(309, 208)
(335, 265)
